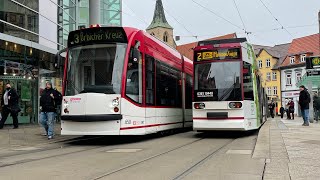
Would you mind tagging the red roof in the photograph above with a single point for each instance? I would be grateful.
(305, 45)
(187, 49)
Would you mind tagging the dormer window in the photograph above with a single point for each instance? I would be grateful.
(303, 58)
(292, 59)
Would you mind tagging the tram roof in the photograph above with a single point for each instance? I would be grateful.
(222, 41)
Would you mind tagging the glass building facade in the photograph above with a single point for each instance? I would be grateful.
(31, 33)
(28, 44)
(110, 13)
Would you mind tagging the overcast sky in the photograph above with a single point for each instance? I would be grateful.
(190, 19)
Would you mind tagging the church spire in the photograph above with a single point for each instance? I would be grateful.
(159, 18)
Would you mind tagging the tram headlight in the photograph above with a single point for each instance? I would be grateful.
(115, 102)
(235, 105)
(199, 106)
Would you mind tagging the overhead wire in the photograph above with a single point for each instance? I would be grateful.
(282, 27)
(244, 26)
(216, 14)
(182, 25)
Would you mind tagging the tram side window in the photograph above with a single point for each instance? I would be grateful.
(150, 80)
(169, 91)
(134, 80)
(188, 95)
(247, 81)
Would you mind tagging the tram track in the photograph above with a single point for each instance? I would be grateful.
(181, 175)
(23, 161)
(201, 161)
(69, 145)
(144, 160)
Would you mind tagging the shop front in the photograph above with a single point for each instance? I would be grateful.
(294, 95)
(27, 69)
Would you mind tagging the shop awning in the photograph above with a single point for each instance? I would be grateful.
(315, 79)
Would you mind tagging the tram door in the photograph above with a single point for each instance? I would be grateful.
(26, 101)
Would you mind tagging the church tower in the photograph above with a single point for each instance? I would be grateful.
(160, 27)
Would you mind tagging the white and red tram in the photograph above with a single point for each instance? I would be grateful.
(123, 81)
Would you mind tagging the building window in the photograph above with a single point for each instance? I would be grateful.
(274, 76)
(303, 58)
(260, 64)
(298, 76)
(165, 37)
(275, 90)
(268, 76)
(292, 59)
(268, 63)
(268, 91)
(288, 79)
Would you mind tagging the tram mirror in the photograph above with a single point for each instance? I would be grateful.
(59, 57)
(57, 61)
(135, 55)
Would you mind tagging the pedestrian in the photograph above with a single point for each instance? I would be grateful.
(286, 103)
(304, 100)
(271, 108)
(10, 105)
(49, 101)
(281, 112)
(291, 109)
(316, 107)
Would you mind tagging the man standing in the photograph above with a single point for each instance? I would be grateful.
(286, 103)
(316, 107)
(49, 100)
(271, 108)
(10, 105)
(281, 112)
(304, 100)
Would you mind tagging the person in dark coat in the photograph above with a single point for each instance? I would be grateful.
(304, 100)
(291, 109)
(10, 105)
(49, 101)
(271, 108)
(316, 107)
(281, 112)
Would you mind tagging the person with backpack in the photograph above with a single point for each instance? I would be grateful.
(316, 107)
(49, 101)
(304, 100)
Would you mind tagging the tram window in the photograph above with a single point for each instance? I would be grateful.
(150, 80)
(134, 81)
(168, 86)
(247, 81)
(188, 95)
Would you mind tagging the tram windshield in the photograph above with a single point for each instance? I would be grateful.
(218, 81)
(95, 69)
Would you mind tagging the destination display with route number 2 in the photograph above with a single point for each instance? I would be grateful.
(218, 54)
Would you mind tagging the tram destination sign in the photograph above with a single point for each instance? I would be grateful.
(97, 35)
(313, 62)
(218, 54)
